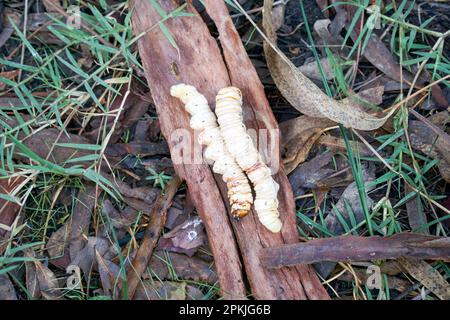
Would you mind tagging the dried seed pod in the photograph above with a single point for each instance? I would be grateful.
(239, 143)
(204, 120)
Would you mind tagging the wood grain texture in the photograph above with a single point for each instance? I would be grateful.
(288, 283)
(197, 63)
(356, 248)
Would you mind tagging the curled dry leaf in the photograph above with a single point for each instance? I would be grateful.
(318, 174)
(298, 136)
(40, 280)
(338, 145)
(186, 238)
(109, 275)
(85, 258)
(427, 275)
(304, 95)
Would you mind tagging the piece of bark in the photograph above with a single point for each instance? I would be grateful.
(8, 210)
(192, 63)
(290, 283)
(165, 66)
(151, 235)
(356, 248)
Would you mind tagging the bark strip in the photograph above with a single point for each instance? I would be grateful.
(355, 248)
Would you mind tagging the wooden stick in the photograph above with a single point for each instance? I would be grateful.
(196, 60)
(151, 235)
(300, 282)
(355, 248)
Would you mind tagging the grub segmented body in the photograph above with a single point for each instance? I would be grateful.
(204, 120)
(240, 145)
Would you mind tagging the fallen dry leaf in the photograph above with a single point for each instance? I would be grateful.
(165, 290)
(298, 136)
(81, 219)
(8, 210)
(304, 95)
(7, 291)
(186, 238)
(186, 268)
(40, 280)
(57, 247)
(427, 275)
(50, 5)
(311, 69)
(109, 276)
(433, 144)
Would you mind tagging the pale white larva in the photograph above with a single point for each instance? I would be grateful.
(241, 147)
(204, 120)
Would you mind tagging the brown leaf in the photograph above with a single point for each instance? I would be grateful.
(52, 5)
(186, 238)
(40, 280)
(278, 16)
(48, 284)
(57, 247)
(351, 197)
(134, 108)
(81, 218)
(7, 291)
(8, 210)
(85, 258)
(317, 173)
(166, 290)
(304, 95)
(186, 268)
(433, 144)
(311, 69)
(428, 276)
(109, 275)
(338, 145)
(143, 149)
(298, 137)
(32, 282)
(10, 75)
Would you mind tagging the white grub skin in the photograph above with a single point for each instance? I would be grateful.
(204, 120)
(241, 147)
